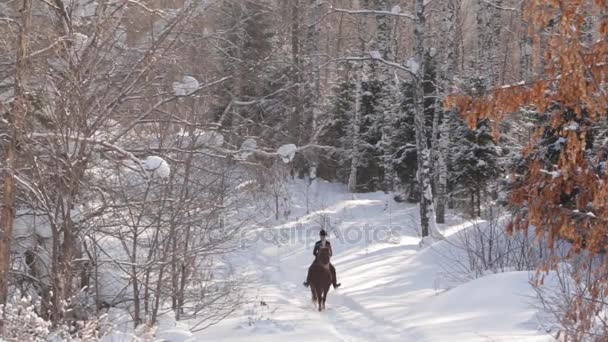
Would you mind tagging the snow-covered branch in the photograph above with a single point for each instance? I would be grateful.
(285, 152)
(160, 103)
(374, 57)
(495, 5)
(399, 13)
(396, 12)
(104, 144)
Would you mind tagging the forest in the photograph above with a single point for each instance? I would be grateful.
(143, 142)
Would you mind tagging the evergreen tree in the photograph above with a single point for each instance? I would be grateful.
(403, 145)
(403, 138)
(369, 174)
(475, 161)
(338, 133)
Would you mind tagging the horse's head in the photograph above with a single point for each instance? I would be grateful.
(323, 255)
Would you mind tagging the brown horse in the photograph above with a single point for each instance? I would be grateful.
(320, 278)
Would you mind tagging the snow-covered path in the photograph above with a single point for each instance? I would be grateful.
(392, 290)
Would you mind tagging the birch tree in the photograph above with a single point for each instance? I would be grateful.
(417, 66)
(446, 77)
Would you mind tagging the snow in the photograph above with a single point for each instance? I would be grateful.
(392, 289)
(573, 126)
(187, 86)
(202, 137)
(396, 9)
(413, 65)
(84, 9)
(287, 152)
(375, 54)
(553, 174)
(79, 41)
(510, 294)
(158, 166)
(248, 147)
(174, 335)
(211, 138)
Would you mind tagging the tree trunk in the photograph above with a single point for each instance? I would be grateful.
(442, 168)
(423, 173)
(448, 33)
(488, 32)
(16, 118)
(314, 40)
(354, 163)
(386, 100)
(135, 284)
(295, 120)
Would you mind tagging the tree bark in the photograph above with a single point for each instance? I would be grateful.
(354, 163)
(386, 101)
(449, 59)
(423, 173)
(16, 118)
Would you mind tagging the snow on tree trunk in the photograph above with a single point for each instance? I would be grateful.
(423, 174)
(448, 34)
(355, 128)
(384, 109)
(313, 52)
(442, 168)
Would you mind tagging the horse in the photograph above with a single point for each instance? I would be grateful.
(320, 278)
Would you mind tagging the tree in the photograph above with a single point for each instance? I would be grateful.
(338, 131)
(422, 146)
(489, 27)
(16, 116)
(474, 159)
(568, 201)
(445, 79)
(241, 103)
(95, 105)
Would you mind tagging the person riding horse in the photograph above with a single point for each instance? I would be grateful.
(318, 245)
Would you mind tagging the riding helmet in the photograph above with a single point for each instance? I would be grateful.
(323, 232)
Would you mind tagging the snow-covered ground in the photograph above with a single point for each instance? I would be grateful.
(392, 289)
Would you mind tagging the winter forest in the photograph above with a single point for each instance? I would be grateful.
(167, 166)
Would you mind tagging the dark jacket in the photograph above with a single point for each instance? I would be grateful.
(318, 246)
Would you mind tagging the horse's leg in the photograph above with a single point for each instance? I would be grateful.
(313, 293)
(324, 297)
(327, 287)
(320, 298)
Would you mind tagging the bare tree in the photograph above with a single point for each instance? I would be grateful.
(16, 117)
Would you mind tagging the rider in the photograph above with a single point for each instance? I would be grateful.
(315, 251)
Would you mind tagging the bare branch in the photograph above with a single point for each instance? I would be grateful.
(378, 59)
(160, 103)
(491, 3)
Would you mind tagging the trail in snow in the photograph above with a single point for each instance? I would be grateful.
(392, 290)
